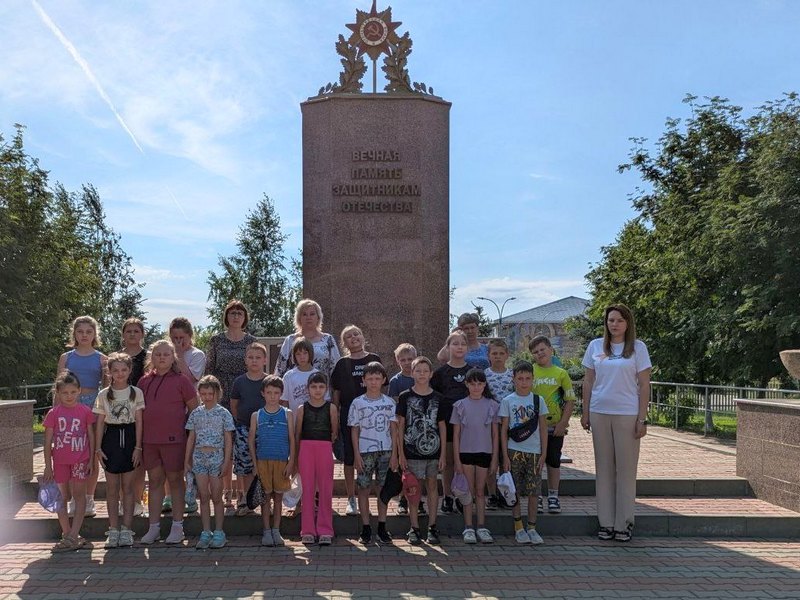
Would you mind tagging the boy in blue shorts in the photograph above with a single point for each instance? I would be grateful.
(523, 437)
(554, 385)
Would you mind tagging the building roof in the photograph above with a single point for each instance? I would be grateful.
(552, 312)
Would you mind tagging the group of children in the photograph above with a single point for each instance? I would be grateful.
(466, 423)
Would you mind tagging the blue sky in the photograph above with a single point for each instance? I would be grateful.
(183, 114)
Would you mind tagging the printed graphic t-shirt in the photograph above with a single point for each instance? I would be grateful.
(374, 417)
(500, 384)
(71, 427)
(209, 426)
(120, 410)
(348, 377)
(295, 388)
(422, 414)
(519, 410)
(554, 385)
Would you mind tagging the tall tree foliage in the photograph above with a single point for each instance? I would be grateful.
(711, 263)
(58, 260)
(258, 275)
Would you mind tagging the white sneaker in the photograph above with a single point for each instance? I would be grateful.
(278, 538)
(125, 537)
(153, 534)
(90, 508)
(484, 537)
(535, 538)
(175, 534)
(112, 538)
(352, 507)
(469, 536)
(522, 537)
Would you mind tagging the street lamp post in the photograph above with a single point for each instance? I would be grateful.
(499, 309)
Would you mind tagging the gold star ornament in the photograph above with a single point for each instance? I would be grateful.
(373, 31)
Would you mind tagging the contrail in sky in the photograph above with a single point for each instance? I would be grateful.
(85, 68)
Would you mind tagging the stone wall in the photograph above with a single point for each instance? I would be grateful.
(768, 449)
(16, 443)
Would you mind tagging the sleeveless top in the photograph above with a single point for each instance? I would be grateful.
(316, 422)
(272, 435)
(88, 369)
(137, 366)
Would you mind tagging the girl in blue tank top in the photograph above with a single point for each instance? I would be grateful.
(84, 360)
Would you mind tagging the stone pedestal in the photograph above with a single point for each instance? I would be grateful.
(16, 443)
(376, 216)
(768, 449)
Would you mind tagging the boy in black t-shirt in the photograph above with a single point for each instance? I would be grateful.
(448, 380)
(421, 422)
(347, 383)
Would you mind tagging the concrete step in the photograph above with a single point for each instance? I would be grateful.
(656, 516)
(722, 487)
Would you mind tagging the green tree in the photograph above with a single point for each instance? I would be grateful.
(484, 323)
(710, 263)
(58, 260)
(257, 275)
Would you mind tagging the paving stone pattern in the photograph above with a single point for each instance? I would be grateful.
(563, 568)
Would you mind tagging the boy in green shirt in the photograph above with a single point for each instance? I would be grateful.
(555, 386)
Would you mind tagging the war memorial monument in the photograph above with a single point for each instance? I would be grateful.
(376, 195)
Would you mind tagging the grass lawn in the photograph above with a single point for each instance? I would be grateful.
(724, 425)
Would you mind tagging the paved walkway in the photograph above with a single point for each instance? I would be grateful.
(664, 453)
(563, 568)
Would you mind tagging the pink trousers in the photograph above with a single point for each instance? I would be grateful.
(315, 464)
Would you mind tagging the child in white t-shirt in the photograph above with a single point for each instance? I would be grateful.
(374, 432)
(295, 380)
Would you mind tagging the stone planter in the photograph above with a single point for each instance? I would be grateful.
(791, 360)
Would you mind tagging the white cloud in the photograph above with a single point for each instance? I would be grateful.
(163, 310)
(150, 275)
(528, 293)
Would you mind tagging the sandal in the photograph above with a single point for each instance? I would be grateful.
(66, 544)
(605, 534)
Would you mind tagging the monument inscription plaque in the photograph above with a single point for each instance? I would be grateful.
(376, 197)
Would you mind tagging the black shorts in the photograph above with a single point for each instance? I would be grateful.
(118, 444)
(345, 432)
(554, 446)
(476, 459)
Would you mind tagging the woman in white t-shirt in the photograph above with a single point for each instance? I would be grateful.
(616, 390)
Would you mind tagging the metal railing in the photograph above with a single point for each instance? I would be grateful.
(680, 401)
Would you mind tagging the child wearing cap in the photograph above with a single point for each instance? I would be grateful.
(374, 433)
(523, 437)
(421, 423)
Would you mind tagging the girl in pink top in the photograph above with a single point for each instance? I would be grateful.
(68, 450)
(168, 398)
